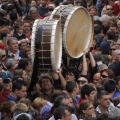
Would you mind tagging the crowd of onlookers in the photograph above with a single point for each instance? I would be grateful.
(85, 88)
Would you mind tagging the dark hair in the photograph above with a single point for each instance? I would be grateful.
(109, 85)
(17, 26)
(97, 29)
(59, 100)
(86, 90)
(103, 116)
(18, 72)
(4, 34)
(110, 34)
(114, 24)
(23, 117)
(74, 71)
(23, 63)
(70, 86)
(60, 111)
(117, 79)
(18, 85)
(110, 73)
(101, 93)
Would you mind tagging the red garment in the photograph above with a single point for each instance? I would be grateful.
(80, 100)
(2, 46)
(4, 94)
(116, 9)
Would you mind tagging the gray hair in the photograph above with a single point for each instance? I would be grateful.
(105, 18)
(10, 63)
(96, 18)
(100, 68)
(33, 9)
(10, 39)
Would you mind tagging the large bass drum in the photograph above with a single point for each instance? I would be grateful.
(47, 47)
(77, 28)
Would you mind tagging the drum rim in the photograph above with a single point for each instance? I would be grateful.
(65, 30)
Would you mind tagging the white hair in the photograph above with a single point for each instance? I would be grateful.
(96, 18)
(105, 18)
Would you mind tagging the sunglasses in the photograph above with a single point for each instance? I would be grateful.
(110, 9)
(81, 81)
(112, 49)
(104, 76)
(3, 55)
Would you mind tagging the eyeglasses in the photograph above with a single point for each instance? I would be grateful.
(110, 9)
(91, 108)
(81, 81)
(112, 49)
(104, 76)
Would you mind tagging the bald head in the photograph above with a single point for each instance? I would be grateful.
(97, 78)
(116, 55)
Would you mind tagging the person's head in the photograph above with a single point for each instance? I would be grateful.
(5, 36)
(111, 2)
(110, 35)
(103, 99)
(12, 44)
(116, 55)
(34, 13)
(97, 56)
(19, 87)
(88, 93)
(85, 108)
(114, 27)
(105, 19)
(81, 82)
(97, 78)
(23, 46)
(118, 24)
(43, 3)
(27, 102)
(102, 67)
(38, 103)
(24, 64)
(72, 74)
(97, 29)
(109, 10)
(61, 100)
(10, 64)
(109, 86)
(117, 80)
(46, 82)
(107, 74)
(104, 11)
(21, 73)
(62, 113)
(26, 26)
(72, 87)
(118, 44)
(33, 3)
(18, 27)
(93, 10)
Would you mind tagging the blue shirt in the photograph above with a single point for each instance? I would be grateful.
(11, 99)
(116, 94)
(46, 110)
(6, 74)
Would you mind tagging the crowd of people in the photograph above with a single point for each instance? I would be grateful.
(86, 88)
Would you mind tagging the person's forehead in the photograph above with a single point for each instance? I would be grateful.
(82, 78)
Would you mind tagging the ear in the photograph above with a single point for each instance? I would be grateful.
(86, 96)
(98, 100)
(84, 111)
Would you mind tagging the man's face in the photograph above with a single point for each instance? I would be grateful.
(68, 115)
(97, 78)
(46, 84)
(109, 10)
(23, 46)
(106, 23)
(92, 95)
(81, 82)
(34, 14)
(118, 24)
(113, 29)
(26, 27)
(104, 101)
(29, 67)
(22, 93)
(13, 46)
(70, 76)
(43, 3)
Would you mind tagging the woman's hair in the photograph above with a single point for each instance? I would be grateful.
(38, 102)
(110, 73)
(83, 106)
(17, 26)
(27, 102)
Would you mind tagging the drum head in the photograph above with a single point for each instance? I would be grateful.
(77, 32)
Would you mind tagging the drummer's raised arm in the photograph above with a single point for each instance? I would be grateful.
(92, 60)
(62, 79)
(85, 66)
